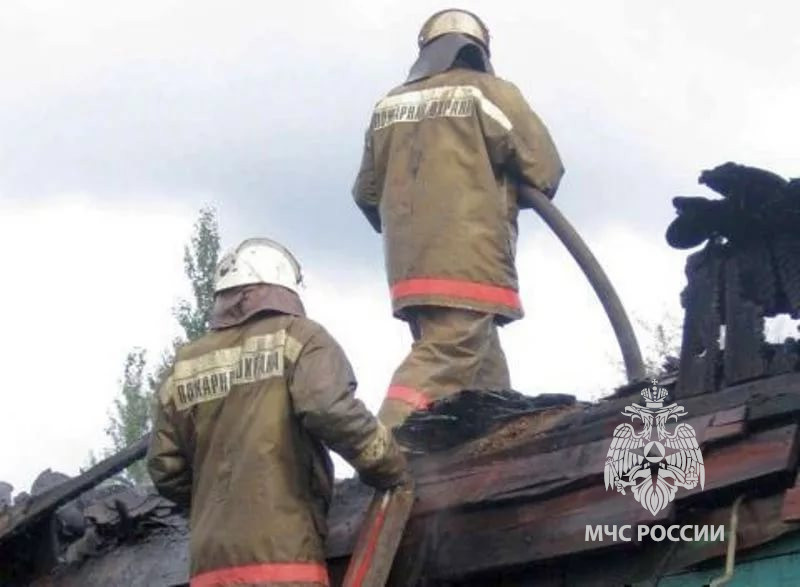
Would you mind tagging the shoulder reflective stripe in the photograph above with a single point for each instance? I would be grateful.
(293, 348)
(375, 449)
(444, 101)
(408, 395)
(264, 573)
(470, 290)
(212, 375)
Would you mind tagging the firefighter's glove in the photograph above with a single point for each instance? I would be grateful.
(382, 464)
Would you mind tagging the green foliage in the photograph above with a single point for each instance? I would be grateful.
(662, 343)
(131, 416)
(199, 261)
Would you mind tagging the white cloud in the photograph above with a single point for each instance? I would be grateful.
(250, 101)
(83, 284)
(93, 282)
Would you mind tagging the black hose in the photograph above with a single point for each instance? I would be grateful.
(631, 355)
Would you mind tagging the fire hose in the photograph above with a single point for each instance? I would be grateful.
(566, 233)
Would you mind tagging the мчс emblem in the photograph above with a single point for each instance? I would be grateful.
(654, 462)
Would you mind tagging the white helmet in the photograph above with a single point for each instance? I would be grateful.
(258, 260)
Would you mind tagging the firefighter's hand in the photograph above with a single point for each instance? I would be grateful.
(391, 471)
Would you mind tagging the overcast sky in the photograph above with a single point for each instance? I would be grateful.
(117, 125)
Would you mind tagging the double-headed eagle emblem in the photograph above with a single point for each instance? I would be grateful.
(653, 463)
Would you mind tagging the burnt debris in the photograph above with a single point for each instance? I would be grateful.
(748, 271)
(756, 204)
(507, 484)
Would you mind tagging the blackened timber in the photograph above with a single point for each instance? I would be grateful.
(786, 252)
(502, 537)
(18, 518)
(744, 318)
(759, 523)
(700, 349)
(763, 400)
(771, 452)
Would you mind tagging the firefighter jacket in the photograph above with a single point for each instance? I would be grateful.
(241, 427)
(442, 160)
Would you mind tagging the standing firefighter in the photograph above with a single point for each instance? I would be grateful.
(443, 157)
(242, 425)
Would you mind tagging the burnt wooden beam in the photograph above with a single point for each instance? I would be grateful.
(760, 402)
(702, 299)
(527, 510)
(744, 316)
(790, 506)
(501, 537)
(759, 523)
(497, 536)
(786, 253)
(18, 518)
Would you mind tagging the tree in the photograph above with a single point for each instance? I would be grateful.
(661, 343)
(200, 258)
(131, 416)
(199, 262)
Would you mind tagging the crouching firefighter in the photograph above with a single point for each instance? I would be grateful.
(243, 423)
(443, 158)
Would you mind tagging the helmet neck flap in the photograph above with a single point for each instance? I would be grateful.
(440, 54)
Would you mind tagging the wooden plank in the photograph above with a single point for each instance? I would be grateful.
(496, 536)
(16, 519)
(538, 476)
(786, 252)
(727, 424)
(507, 519)
(760, 455)
(700, 349)
(527, 477)
(744, 321)
(501, 537)
(734, 415)
(379, 538)
(790, 511)
(774, 397)
(759, 523)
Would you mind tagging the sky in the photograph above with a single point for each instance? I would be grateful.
(117, 123)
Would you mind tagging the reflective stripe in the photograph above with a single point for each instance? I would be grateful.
(375, 449)
(455, 288)
(263, 573)
(434, 103)
(292, 348)
(357, 580)
(408, 395)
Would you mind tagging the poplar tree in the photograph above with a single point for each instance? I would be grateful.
(131, 415)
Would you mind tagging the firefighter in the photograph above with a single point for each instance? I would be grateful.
(243, 422)
(443, 157)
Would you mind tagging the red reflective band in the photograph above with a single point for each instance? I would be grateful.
(457, 289)
(265, 573)
(408, 395)
(372, 543)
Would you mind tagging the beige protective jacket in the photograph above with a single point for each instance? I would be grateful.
(240, 434)
(442, 159)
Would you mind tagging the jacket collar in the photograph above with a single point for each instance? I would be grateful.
(237, 305)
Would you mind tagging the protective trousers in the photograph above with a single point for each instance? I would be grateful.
(453, 350)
